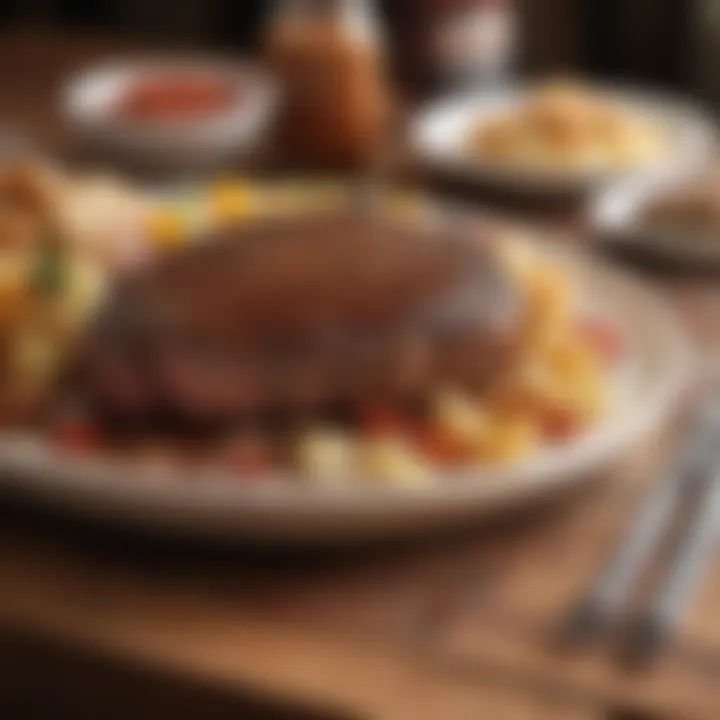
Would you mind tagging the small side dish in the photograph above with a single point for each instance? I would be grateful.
(566, 125)
(673, 221)
(171, 112)
(562, 137)
(690, 210)
(177, 97)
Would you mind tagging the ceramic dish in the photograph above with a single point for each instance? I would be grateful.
(616, 219)
(90, 102)
(161, 498)
(441, 133)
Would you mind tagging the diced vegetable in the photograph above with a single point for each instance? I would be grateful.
(604, 337)
(248, 456)
(167, 227)
(379, 419)
(509, 439)
(229, 200)
(460, 419)
(436, 444)
(49, 276)
(325, 455)
(76, 434)
(561, 423)
(393, 461)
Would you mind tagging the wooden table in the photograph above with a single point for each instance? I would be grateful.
(101, 624)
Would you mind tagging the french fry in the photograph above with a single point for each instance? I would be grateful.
(508, 438)
(549, 308)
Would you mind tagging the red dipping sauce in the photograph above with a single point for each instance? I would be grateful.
(177, 97)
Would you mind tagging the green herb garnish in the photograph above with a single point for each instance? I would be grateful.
(49, 276)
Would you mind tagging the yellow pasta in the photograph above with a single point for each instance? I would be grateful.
(566, 126)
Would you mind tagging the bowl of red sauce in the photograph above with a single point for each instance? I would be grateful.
(177, 97)
(170, 110)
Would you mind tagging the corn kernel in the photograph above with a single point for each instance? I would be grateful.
(509, 439)
(167, 228)
(229, 200)
(571, 357)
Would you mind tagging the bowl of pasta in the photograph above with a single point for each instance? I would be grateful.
(441, 366)
(561, 135)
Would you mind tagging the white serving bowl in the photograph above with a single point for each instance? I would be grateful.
(90, 98)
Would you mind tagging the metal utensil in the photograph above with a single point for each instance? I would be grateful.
(649, 631)
(596, 612)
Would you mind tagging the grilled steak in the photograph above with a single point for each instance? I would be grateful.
(291, 318)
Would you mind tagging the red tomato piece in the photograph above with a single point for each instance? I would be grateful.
(383, 420)
(76, 434)
(438, 446)
(560, 424)
(604, 337)
(176, 97)
(248, 457)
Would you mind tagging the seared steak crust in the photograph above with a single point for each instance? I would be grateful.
(300, 317)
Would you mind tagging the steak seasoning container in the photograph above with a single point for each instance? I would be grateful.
(456, 44)
(329, 59)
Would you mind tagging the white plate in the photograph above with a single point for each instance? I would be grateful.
(657, 364)
(439, 136)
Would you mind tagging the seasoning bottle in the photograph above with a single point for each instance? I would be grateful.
(457, 44)
(329, 59)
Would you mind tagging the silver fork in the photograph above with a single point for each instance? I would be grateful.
(648, 631)
(693, 469)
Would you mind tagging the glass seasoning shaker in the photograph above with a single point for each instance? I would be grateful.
(458, 44)
(328, 56)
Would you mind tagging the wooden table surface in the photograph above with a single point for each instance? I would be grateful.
(95, 623)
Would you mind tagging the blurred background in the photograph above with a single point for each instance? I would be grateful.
(667, 41)
(659, 44)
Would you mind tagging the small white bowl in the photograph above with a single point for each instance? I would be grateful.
(615, 218)
(90, 99)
